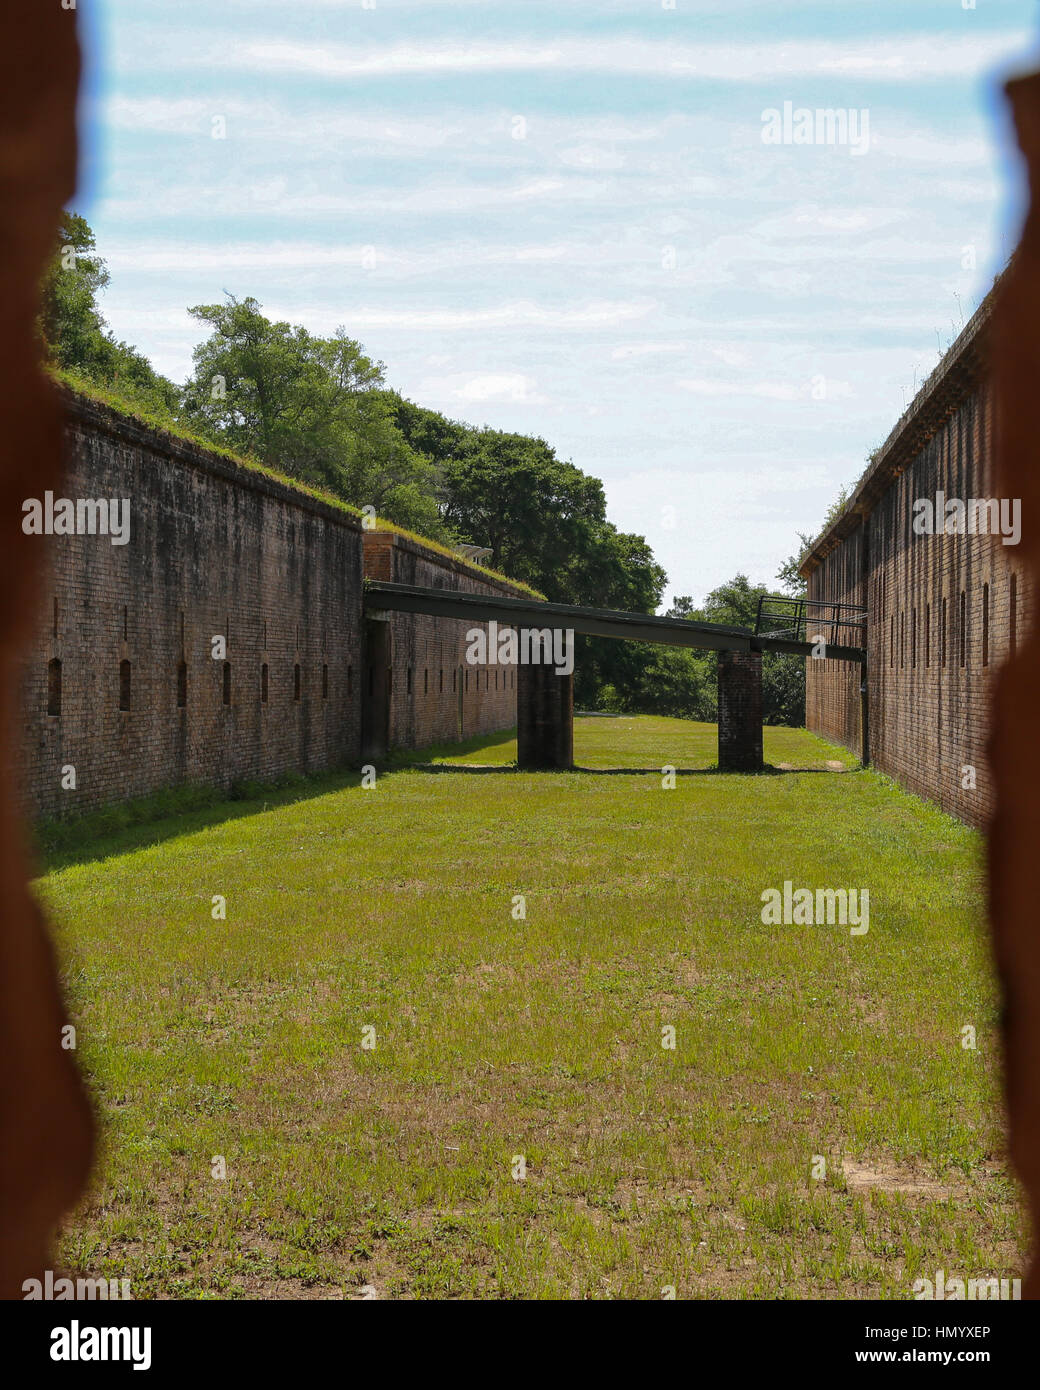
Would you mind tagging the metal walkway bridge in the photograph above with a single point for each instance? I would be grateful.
(545, 695)
(384, 597)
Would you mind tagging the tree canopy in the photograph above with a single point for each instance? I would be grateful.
(74, 333)
(319, 409)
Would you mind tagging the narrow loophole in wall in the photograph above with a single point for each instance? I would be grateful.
(454, 681)
(962, 633)
(324, 681)
(297, 681)
(54, 687)
(942, 634)
(902, 640)
(350, 680)
(440, 682)
(182, 684)
(928, 634)
(892, 640)
(467, 680)
(126, 622)
(985, 624)
(124, 685)
(409, 685)
(264, 682)
(426, 681)
(226, 691)
(1013, 615)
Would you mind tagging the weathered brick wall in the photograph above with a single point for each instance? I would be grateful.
(943, 610)
(832, 688)
(213, 550)
(436, 696)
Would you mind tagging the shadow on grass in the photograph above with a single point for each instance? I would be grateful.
(151, 820)
(486, 769)
(174, 811)
(167, 814)
(420, 757)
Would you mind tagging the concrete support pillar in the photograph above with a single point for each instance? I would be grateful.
(740, 711)
(544, 718)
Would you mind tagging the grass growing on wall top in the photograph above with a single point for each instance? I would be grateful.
(383, 525)
(155, 419)
(392, 908)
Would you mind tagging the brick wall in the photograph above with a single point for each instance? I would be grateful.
(943, 610)
(436, 696)
(740, 711)
(832, 688)
(214, 550)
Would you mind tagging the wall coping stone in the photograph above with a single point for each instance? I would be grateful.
(456, 564)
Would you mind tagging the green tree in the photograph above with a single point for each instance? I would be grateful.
(75, 335)
(683, 682)
(310, 407)
(791, 582)
(783, 675)
(71, 326)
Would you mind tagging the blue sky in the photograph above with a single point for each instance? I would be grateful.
(562, 219)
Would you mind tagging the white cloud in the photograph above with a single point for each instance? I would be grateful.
(501, 386)
(767, 390)
(589, 156)
(898, 59)
(762, 503)
(276, 196)
(520, 314)
(629, 350)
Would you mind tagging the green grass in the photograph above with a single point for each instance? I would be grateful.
(496, 1037)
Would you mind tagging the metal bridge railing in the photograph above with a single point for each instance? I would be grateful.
(806, 619)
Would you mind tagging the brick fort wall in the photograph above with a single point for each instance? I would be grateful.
(943, 610)
(122, 694)
(215, 551)
(436, 695)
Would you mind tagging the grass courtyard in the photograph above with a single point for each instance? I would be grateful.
(518, 1130)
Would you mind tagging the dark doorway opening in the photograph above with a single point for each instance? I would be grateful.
(375, 714)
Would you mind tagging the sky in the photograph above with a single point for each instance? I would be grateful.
(578, 220)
